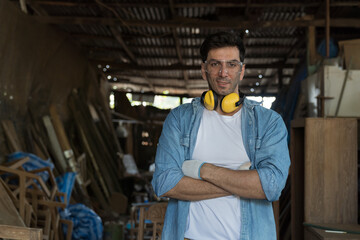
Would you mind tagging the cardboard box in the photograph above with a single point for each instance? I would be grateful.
(350, 52)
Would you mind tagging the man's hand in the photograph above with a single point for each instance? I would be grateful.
(191, 168)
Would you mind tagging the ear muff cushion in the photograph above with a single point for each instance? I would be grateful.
(209, 100)
(228, 103)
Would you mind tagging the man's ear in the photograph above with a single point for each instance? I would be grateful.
(242, 72)
(203, 73)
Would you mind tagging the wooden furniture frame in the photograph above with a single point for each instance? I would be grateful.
(38, 206)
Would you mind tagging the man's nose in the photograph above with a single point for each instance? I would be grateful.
(223, 71)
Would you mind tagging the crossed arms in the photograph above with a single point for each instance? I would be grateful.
(218, 182)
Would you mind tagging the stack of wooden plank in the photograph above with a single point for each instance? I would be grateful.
(99, 142)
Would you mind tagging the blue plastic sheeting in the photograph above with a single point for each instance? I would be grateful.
(34, 163)
(333, 48)
(286, 100)
(65, 184)
(293, 94)
(87, 224)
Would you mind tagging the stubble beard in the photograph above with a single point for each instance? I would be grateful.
(223, 92)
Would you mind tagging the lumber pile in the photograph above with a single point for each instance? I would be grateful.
(85, 144)
(100, 146)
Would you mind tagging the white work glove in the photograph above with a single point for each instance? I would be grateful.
(191, 168)
(245, 166)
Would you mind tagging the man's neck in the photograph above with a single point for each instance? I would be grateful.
(218, 110)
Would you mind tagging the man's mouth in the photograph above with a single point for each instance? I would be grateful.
(222, 82)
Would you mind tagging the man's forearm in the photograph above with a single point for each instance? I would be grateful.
(241, 183)
(194, 190)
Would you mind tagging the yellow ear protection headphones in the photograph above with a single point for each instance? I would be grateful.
(228, 103)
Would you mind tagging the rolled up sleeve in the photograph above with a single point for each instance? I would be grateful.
(169, 157)
(272, 159)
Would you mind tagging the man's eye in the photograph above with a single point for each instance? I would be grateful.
(214, 64)
(231, 64)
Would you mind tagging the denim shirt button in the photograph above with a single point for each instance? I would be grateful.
(250, 122)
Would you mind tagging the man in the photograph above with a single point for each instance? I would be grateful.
(201, 156)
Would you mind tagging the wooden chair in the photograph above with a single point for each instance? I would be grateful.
(137, 210)
(38, 205)
(156, 214)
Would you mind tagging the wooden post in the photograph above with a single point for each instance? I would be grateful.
(280, 78)
(311, 45)
(327, 30)
(141, 224)
(297, 178)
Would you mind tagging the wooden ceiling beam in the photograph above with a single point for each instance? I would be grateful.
(125, 78)
(38, 9)
(196, 5)
(247, 8)
(280, 76)
(341, 35)
(277, 46)
(108, 11)
(120, 40)
(248, 56)
(172, 95)
(175, 86)
(116, 67)
(190, 22)
(178, 45)
(181, 36)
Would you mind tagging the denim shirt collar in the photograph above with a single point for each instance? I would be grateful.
(250, 104)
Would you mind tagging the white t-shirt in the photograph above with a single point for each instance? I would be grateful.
(219, 142)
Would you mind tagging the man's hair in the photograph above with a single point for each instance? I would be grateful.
(222, 39)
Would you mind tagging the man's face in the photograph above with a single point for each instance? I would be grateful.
(224, 81)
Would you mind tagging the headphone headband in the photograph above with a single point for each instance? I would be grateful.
(242, 97)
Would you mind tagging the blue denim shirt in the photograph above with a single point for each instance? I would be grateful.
(265, 139)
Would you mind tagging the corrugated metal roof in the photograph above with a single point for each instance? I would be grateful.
(153, 45)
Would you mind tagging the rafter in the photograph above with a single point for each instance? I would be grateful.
(196, 48)
(118, 37)
(183, 36)
(120, 40)
(154, 57)
(189, 95)
(194, 5)
(165, 79)
(203, 86)
(177, 44)
(116, 67)
(190, 22)
(37, 7)
(280, 76)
